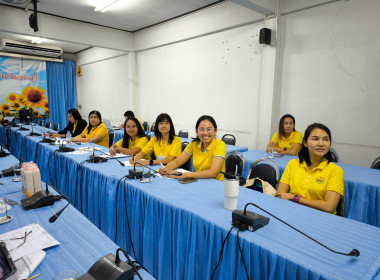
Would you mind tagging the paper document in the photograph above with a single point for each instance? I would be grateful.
(178, 170)
(118, 155)
(27, 264)
(27, 240)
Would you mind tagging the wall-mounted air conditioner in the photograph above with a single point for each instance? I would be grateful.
(11, 46)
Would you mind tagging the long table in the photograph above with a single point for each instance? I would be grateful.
(120, 133)
(362, 187)
(82, 244)
(178, 230)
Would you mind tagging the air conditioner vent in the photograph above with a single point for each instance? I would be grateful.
(29, 48)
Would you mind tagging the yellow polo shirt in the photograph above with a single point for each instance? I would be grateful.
(313, 184)
(165, 150)
(203, 160)
(101, 130)
(139, 142)
(294, 137)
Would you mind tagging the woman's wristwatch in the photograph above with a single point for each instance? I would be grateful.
(285, 148)
(296, 198)
(151, 162)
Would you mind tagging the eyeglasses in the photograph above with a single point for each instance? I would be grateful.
(208, 129)
(131, 127)
(23, 242)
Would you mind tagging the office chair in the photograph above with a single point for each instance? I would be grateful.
(187, 164)
(266, 172)
(152, 127)
(111, 136)
(145, 126)
(229, 139)
(183, 133)
(334, 155)
(56, 126)
(235, 163)
(376, 163)
(48, 125)
(41, 122)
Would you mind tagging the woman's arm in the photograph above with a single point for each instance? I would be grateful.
(126, 151)
(216, 166)
(183, 157)
(293, 151)
(57, 135)
(138, 157)
(275, 147)
(328, 204)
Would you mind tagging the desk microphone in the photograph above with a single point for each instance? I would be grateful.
(64, 149)
(2, 152)
(354, 252)
(56, 215)
(23, 128)
(121, 163)
(34, 133)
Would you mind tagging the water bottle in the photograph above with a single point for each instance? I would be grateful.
(68, 137)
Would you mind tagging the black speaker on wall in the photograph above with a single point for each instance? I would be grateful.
(265, 36)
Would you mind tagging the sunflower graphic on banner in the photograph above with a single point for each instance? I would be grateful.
(23, 86)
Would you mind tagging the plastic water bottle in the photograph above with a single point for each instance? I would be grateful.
(68, 137)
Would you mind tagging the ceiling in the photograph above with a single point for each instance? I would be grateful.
(129, 15)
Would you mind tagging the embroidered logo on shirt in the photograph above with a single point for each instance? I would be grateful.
(320, 180)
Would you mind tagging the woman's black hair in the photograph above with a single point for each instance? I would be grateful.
(75, 113)
(161, 118)
(129, 114)
(97, 113)
(140, 132)
(202, 118)
(303, 154)
(281, 130)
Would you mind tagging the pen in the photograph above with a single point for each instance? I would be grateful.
(30, 278)
(162, 165)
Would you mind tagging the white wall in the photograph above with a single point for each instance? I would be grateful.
(330, 65)
(217, 75)
(104, 85)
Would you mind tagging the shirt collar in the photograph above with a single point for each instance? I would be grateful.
(320, 166)
(208, 147)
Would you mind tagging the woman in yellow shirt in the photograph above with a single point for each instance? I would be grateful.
(208, 153)
(165, 145)
(287, 140)
(134, 139)
(95, 131)
(313, 180)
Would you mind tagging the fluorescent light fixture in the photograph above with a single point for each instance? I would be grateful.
(106, 5)
(38, 40)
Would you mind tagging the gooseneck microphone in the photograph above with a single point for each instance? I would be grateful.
(354, 252)
(56, 215)
(34, 133)
(109, 155)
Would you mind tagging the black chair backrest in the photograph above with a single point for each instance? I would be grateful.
(152, 127)
(229, 139)
(56, 126)
(145, 126)
(41, 123)
(111, 135)
(183, 133)
(235, 163)
(187, 164)
(267, 172)
(376, 163)
(334, 155)
(48, 124)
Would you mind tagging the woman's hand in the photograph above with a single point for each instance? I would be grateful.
(285, 196)
(75, 139)
(112, 151)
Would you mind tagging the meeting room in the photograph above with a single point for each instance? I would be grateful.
(189, 139)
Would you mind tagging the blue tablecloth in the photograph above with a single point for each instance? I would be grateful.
(362, 187)
(82, 244)
(177, 230)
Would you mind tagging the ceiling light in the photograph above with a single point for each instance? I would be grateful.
(106, 5)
